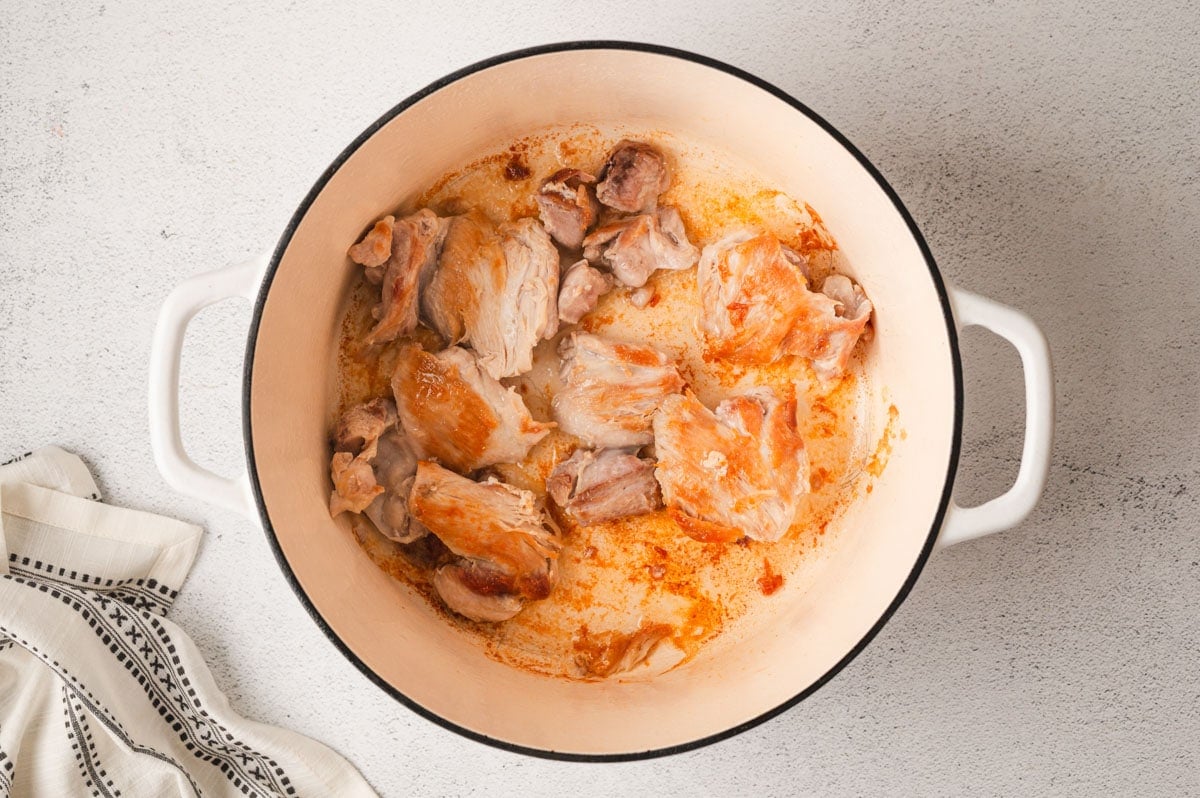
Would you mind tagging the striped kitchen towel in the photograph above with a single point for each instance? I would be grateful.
(100, 693)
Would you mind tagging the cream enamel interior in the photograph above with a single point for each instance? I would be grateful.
(815, 624)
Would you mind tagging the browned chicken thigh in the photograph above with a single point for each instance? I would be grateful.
(749, 292)
(416, 241)
(611, 390)
(739, 471)
(830, 325)
(355, 439)
(375, 249)
(471, 264)
(362, 425)
(755, 306)
(456, 413)
(395, 465)
(507, 553)
(496, 289)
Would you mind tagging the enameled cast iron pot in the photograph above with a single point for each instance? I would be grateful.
(867, 568)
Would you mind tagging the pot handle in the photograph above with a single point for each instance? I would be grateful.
(1011, 507)
(180, 307)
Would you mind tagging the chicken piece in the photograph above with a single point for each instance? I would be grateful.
(416, 242)
(362, 425)
(471, 263)
(532, 263)
(498, 532)
(496, 289)
(566, 206)
(611, 390)
(749, 295)
(355, 439)
(635, 246)
(592, 487)
(372, 469)
(394, 468)
(755, 305)
(739, 471)
(455, 583)
(582, 287)
(632, 178)
(354, 486)
(829, 325)
(375, 249)
(454, 412)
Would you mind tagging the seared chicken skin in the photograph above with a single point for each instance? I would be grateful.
(415, 242)
(755, 306)
(456, 413)
(749, 295)
(470, 264)
(739, 471)
(611, 390)
(496, 289)
(506, 553)
(566, 206)
(372, 469)
(464, 587)
(830, 325)
(596, 486)
(634, 247)
(633, 176)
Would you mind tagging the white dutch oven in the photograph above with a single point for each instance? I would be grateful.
(866, 569)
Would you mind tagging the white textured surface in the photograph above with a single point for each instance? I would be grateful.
(1052, 158)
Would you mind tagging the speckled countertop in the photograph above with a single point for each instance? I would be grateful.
(1050, 155)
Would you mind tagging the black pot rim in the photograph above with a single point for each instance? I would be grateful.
(285, 239)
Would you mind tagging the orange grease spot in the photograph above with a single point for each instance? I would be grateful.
(770, 581)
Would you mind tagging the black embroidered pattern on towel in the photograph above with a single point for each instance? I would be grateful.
(6, 773)
(93, 705)
(85, 747)
(16, 459)
(133, 636)
(146, 594)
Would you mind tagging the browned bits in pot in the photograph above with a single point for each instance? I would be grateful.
(818, 478)
(516, 169)
(770, 581)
